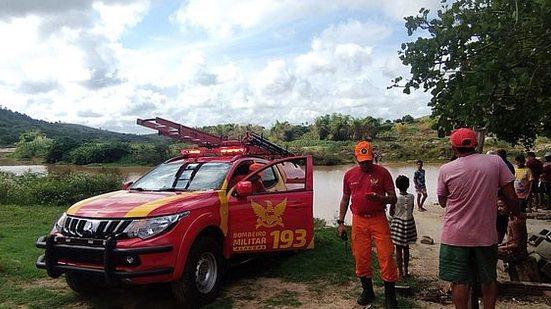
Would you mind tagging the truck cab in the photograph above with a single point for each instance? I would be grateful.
(183, 221)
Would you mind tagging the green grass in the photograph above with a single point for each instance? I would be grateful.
(20, 226)
(328, 266)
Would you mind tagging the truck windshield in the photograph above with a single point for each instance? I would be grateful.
(183, 177)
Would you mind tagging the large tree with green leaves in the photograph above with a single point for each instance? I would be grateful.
(487, 63)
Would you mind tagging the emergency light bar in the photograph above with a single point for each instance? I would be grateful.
(232, 150)
(191, 152)
(223, 151)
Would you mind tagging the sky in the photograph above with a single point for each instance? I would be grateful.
(106, 63)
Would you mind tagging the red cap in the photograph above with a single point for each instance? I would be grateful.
(363, 151)
(463, 138)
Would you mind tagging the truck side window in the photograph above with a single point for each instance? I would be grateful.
(269, 178)
(293, 174)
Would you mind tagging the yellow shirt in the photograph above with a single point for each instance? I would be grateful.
(523, 177)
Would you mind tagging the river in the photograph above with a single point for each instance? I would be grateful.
(327, 180)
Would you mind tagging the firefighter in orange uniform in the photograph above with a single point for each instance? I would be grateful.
(368, 188)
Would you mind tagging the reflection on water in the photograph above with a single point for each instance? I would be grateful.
(22, 169)
(327, 180)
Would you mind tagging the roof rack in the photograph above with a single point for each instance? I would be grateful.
(256, 144)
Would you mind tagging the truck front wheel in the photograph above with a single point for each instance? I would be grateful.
(203, 274)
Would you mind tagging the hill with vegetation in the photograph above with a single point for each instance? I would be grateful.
(12, 124)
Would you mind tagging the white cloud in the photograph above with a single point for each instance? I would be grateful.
(116, 18)
(355, 32)
(223, 18)
(70, 62)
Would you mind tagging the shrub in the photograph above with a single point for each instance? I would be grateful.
(99, 153)
(54, 189)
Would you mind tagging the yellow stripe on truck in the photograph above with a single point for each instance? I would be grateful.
(144, 209)
(75, 208)
(223, 211)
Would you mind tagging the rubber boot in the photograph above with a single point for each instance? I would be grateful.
(390, 295)
(367, 293)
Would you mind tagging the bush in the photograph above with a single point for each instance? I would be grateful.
(99, 153)
(54, 189)
(148, 154)
(60, 149)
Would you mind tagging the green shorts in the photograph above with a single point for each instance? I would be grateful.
(461, 264)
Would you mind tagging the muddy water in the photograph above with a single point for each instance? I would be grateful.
(328, 186)
(327, 180)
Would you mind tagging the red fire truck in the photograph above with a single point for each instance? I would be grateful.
(184, 220)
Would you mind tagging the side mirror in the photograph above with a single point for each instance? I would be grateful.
(244, 188)
(126, 184)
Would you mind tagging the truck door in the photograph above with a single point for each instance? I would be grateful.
(276, 212)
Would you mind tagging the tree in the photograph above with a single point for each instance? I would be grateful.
(339, 127)
(408, 119)
(487, 63)
(322, 126)
(60, 149)
(32, 144)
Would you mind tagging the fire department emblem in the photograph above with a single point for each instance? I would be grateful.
(269, 216)
(374, 181)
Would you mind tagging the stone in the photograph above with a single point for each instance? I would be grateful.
(427, 240)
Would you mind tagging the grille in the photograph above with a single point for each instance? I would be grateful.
(90, 228)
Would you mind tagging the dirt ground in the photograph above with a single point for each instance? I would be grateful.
(423, 265)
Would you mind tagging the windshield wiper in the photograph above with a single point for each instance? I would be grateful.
(169, 189)
(137, 189)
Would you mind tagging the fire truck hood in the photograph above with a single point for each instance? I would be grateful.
(139, 204)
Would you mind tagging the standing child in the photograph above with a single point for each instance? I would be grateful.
(403, 231)
(420, 186)
(523, 183)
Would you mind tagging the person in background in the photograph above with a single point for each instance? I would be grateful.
(402, 229)
(536, 167)
(468, 188)
(523, 182)
(503, 219)
(420, 186)
(503, 155)
(546, 180)
(515, 247)
(369, 188)
(258, 185)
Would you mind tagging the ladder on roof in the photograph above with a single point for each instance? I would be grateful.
(256, 144)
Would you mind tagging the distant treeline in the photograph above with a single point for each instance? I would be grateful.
(329, 140)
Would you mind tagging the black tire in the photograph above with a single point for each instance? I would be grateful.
(85, 284)
(203, 274)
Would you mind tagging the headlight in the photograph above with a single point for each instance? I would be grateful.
(149, 227)
(58, 226)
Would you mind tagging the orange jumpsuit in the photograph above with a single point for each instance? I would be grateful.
(376, 228)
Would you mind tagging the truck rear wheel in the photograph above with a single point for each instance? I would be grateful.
(203, 274)
(85, 284)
